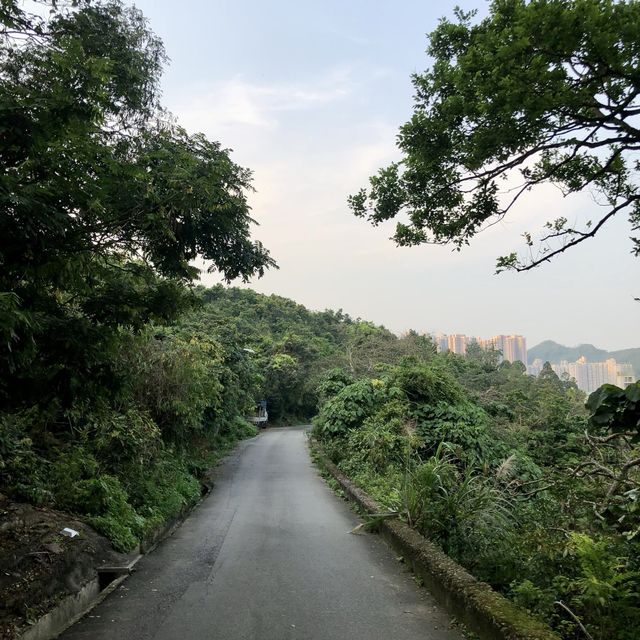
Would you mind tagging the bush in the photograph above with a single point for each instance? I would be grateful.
(463, 510)
(382, 441)
(352, 405)
(23, 473)
(106, 504)
(162, 490)
(424, 384)
(176, 381)
(120, 437)
(464, 425)
(331, 383)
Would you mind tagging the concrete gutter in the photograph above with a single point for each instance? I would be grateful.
(74, 607)
(71, 609)
(483, 610)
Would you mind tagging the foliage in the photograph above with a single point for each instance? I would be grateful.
(117, 519)
(281, 342)
(537, 92)
(105, 202)
(426, 385)
(495, 466)
(381, 440)
(332, 382)
(461, 510)
(176, 381)
(104, 409)
(615, 409)
(22, 471)
(464, 426)
(352, 405)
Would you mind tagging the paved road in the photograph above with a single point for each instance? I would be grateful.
(268, 556)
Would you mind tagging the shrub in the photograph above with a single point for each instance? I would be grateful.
(424, 384)
(106, 503)
(352, 405)
(462, 510)
(381, 441)
(23, 473)
(331, 383)
(175, 381)
(160, 491)
(121, 437)
(464, 425)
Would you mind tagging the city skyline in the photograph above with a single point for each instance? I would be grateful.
(589, 376)
(513, 348)
(537, 342)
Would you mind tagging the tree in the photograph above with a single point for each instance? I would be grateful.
(105, 201)
(545, 91)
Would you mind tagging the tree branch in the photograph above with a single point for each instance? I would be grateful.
(547, 257)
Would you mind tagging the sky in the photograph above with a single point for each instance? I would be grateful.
(309, 95)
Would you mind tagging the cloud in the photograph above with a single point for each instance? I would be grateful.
(238, 102)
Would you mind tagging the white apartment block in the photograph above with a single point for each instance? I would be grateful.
(457, 343)
(590, 375)
(513, 348)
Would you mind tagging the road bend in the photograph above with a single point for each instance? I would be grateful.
(268, 556)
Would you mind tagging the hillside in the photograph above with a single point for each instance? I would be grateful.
(553, 352)
(291, 347)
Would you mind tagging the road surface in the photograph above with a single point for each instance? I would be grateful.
(268, 556)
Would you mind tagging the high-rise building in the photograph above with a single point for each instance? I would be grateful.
(512, 348)
(535, 367)
(625, 374)
(519, 349)
(589, 376)
(458, 343)
(441, 341)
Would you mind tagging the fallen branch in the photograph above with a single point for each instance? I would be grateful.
(575, 618)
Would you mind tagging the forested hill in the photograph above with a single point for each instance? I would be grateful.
(550, 351)
(291, 346)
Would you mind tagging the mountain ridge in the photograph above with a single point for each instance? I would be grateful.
(552, 351)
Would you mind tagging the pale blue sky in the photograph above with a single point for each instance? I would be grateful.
(309, 95)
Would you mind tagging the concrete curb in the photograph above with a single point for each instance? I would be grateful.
(74, 607)
(483, 610)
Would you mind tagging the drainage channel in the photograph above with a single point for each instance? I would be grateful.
(74, 607)
(107, 574)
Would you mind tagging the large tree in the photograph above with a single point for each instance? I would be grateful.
(104, 200)
(540, 91)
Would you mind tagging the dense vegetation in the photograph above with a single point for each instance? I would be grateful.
(105, 202)
(120, 382)
(508, 473)
(292, 347)
(175, 399)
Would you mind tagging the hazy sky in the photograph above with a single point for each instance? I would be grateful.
(309, 95)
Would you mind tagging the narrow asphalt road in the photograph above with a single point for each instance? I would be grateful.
(268, 556)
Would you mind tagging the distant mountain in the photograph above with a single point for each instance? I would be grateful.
(553, 352)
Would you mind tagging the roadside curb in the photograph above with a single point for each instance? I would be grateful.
(484, 611)
(108, 578)
(73, 608)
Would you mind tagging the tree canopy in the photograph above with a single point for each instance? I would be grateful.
(539, 91)
(105, 200)
(105, 410)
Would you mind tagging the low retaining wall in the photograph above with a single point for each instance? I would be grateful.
(483, 610)
(72, 608)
